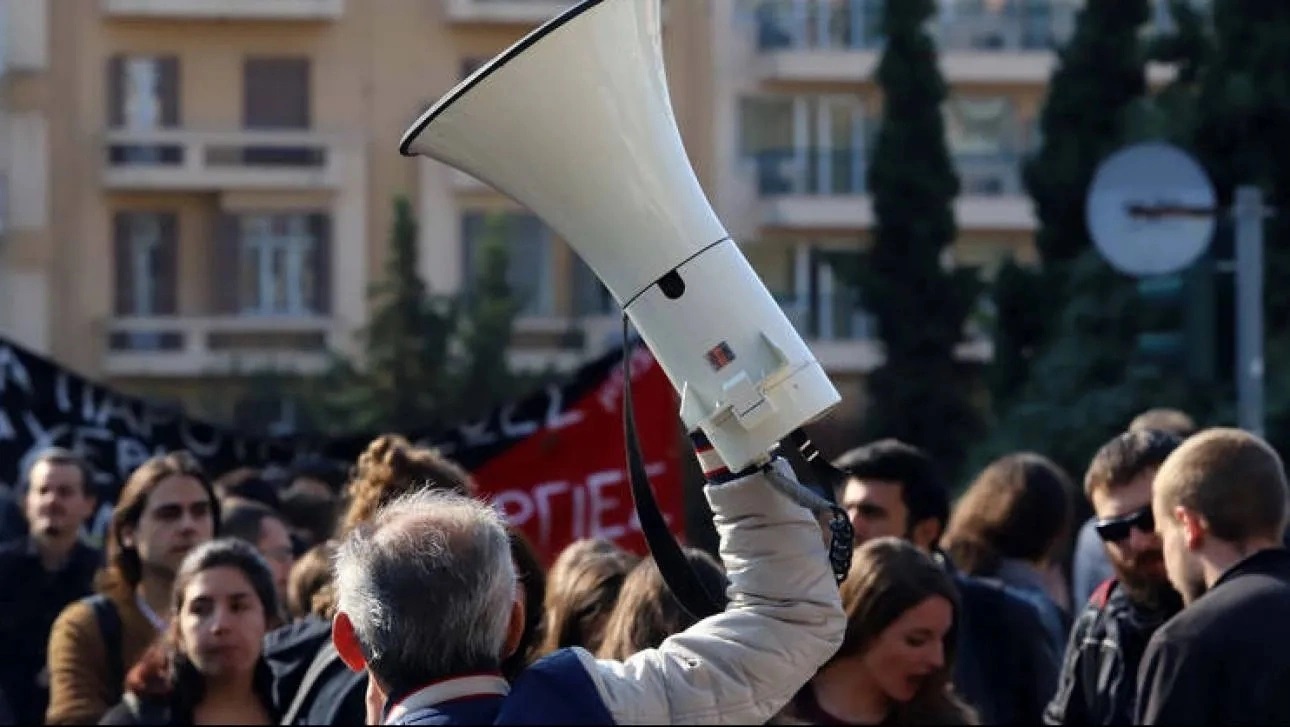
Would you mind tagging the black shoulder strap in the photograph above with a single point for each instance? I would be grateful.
(326, 655)
(675, 568)
(110, 631)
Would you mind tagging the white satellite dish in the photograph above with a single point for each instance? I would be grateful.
(1151, 209)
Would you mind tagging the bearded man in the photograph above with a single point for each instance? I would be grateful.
(1098, 683)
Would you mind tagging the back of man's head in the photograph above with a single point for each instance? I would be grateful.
(429, 586)
(1164, 419)
(1232, 479)
(923, 490)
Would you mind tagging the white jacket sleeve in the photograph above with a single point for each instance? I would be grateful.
(743, 665)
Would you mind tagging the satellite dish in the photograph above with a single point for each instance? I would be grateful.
(1150, 209)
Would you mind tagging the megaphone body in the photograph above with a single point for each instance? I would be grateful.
(575, 122)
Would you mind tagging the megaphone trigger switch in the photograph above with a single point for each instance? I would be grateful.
(672, 285)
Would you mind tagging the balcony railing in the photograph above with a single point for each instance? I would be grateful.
(226, 9)
(196, 345)
(810, 171)
(521, 12)
(251, 159)
(982, 25)
(989, 175)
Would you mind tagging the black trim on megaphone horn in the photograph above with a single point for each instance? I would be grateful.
(493, 66)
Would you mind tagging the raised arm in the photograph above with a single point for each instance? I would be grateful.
(783, 622)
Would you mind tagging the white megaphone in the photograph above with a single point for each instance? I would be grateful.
(575, 123)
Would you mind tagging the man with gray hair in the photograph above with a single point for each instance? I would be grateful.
(428, 605)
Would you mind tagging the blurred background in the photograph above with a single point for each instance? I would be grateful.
(202, 203)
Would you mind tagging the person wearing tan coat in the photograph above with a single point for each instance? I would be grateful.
(80, 670)
(166, 509)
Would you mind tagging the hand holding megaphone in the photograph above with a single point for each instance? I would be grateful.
(575, 123)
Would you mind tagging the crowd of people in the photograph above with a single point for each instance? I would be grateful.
(391, 592)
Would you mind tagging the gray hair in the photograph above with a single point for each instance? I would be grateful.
(428, 584)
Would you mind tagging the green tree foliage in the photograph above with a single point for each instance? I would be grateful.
(1084, 382)
(1243, 111)
(484, 377)
(1100, 72)
(401, 383)
(919, 394)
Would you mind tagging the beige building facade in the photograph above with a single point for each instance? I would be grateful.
(193, 190)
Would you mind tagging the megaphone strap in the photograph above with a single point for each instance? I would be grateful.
(675, 568)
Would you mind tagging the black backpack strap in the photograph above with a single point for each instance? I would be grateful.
(326, 656)
(109, 621)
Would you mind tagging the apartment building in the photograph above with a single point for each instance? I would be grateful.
(195, 190)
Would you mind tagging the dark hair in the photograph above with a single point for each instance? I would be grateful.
(532, 576)
(922, 488)
(247, 483)
(647, 612)
(310, 575)
(327, 471)
(166, 672)
(1020, 506)
(123, 565)
(1174, 421)
(1128, 455)
(310, 512)
(888, 577)
(244, 520)
(62, 456)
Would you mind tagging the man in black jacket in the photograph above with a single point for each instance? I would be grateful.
(1004, 665)
(1099, 679)
(1219, 503)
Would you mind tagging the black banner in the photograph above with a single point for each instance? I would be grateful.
(43, 404)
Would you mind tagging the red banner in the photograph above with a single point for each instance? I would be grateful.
(568, 480)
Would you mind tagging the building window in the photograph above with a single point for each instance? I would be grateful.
(145, 262)
(279, 261)
(528, 245)
(805, 144)
(143, 95)
(815, 24)
(983, 138)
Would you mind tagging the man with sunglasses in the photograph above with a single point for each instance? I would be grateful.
(1098, 681)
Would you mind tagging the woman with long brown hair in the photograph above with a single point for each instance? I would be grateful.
(581, 589)
(647, 611)
(207, 667)
(1012, 525)
(894, 665)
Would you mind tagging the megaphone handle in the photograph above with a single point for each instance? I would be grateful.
(675, 568)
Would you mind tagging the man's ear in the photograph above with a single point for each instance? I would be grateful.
(1194, 526)
(346, 642)
(925, 534)
(515, 627)
(127, 536)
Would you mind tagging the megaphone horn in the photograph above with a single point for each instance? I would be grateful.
(575, 123)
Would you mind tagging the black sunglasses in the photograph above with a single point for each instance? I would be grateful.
(1115, 529)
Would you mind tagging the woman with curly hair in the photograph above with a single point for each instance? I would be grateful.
(207, 667)
(390, 467)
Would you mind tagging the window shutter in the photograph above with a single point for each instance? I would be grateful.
(123, 261)
(226, 265)
(320, 230)
(168, 89)
(116, 92)
(166, 289)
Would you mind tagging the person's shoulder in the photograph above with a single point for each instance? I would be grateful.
(558, 688)
(309, 633)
